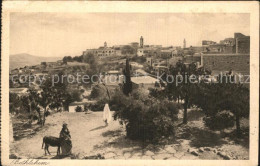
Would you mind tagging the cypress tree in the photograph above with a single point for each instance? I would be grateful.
(127, 87)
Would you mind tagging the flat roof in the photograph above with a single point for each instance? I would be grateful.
(82, 102)
(144, 80)
(17, 90)
(113, 71)
(141, 71)
(225, 54)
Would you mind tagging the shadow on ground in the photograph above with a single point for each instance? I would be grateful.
(205, 138)
(118, 140)
(243, 140)
(98, 128)
(111, 133)
(195, 115)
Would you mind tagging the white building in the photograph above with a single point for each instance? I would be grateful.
(144, 82)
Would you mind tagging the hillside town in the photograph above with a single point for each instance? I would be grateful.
(141, 71)
(223, 56)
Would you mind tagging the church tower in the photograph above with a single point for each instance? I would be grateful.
(142, 42)
(184, 43)
(105, 44)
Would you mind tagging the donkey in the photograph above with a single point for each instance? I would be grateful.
(51, 141)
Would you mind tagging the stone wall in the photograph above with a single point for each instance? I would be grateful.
(224, 62)
(191, 59)
(243, 45)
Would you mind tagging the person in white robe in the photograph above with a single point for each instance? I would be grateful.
(107, 114)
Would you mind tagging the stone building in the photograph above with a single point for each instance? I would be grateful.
(239, 63)
(228, 41)
(149, 51)
(208, 42)
(192, 58)
(145, 82)
(242, 43)
(102, 52)
(229, 54)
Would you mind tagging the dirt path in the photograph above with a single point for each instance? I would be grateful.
(90, 137)
(86, 132)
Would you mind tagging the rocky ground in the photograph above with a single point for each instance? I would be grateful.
(91, 139)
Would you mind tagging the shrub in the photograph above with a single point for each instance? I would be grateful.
(214, 98)
(140, 94)
(220, 121)
(98, 92)
(157, 93)
(98, 106)
(75, 95)
(78, 109)
(149, 119)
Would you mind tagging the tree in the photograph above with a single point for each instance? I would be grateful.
(45, 97)
(78, 58)
(67, 59)
(33, 98)
(182, 85)
(89, 58)
(220, 121)
(14, 103)
(146, 118)
(214, 98)
(98, 92)
(75, 95)
(94, 66)
(235, 98)
(60, 94)
(128, 50)
(127, 85)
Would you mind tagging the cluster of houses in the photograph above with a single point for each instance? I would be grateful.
(228, 54)
(44, 69)
(138, 49)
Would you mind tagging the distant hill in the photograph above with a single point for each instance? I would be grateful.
(21, 60)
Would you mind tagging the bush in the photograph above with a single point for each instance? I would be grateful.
(219, 121)
(78, 109)
(75, 95)
(140, 94)
(98, 106)
(149, 119)
(98, 92)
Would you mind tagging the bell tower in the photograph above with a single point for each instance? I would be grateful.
(141, 42)
(105, 44)
(184, 43)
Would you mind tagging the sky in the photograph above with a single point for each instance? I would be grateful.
(64, 34)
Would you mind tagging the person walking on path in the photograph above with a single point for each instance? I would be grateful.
(106, 114)
(66, 144)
